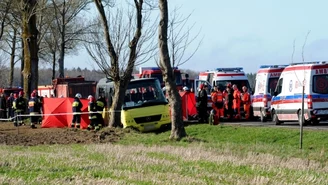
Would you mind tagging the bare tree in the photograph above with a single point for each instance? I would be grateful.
(29, 37)
(122, 57)
(180, 38)
(66, 19)
(5, 6)
(177, 131)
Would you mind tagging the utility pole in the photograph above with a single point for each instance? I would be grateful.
(302, 117)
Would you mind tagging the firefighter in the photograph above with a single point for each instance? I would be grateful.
(40, 103)
(236, 101)
(92, 109)
(33, 107)
(101, 105)
(3, 106)
(76, 108)
(19, 106)
(10, 101)
(246, 99)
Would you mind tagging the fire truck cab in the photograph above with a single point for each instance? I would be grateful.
(156, 72)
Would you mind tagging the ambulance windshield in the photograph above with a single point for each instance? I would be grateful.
(272, 85)
(222, 84)
(320, 84)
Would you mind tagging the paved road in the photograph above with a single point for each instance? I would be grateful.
(320, 126)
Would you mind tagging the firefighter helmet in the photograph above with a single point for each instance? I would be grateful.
(78, 95)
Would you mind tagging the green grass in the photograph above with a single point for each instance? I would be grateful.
(209, 155)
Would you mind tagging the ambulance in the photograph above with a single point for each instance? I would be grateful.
(286, 105)
(266, 80)
(221, 77)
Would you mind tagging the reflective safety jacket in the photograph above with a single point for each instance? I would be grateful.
(34, 105)
(100, 105)
(19, 104)
(76, 105)
(92, 109)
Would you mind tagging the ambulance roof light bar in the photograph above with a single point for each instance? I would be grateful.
(273, 66)
(225, 69)
(314, 62)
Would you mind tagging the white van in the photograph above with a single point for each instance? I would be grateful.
(286, 105)
(266, 80)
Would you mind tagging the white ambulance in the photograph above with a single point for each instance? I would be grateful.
(266, 80)
(286, 105)
(221, 77)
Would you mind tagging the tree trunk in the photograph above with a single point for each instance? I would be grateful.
(177, 131)
(22, 65)
(29, 35)
(27, 57)
(54, 65)
(62, 44)
(115, 115)
(12, 58)
(61, 60)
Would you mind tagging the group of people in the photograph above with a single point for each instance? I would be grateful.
(227, 103)
(95, 110)
(15, 106)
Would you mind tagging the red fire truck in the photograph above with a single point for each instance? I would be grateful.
(156, 72)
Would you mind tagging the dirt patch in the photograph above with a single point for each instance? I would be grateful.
(24, 135)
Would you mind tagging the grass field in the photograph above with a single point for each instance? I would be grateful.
(209, 155)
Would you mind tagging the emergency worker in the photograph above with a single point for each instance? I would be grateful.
(33, 107)
(76, 108)
(3, 106)
(229, 102)
(215, 109)
(202, 104)
(10, 101)
(101, 105)
(92, 109)
(246, 99)
(40, 103)
(236, 101)
(19, 106)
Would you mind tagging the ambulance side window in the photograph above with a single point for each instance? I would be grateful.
(279, 87)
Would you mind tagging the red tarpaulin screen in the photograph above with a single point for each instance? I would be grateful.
(188, 104)
(63, 108)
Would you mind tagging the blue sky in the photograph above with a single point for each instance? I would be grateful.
(250, 33)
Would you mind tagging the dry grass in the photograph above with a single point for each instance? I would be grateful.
(117, 164)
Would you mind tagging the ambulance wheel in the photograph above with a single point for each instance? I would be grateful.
(315, 122)
(275, 118)
(262, 118)
(300, 119)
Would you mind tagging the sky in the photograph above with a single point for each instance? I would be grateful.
(249, 33)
